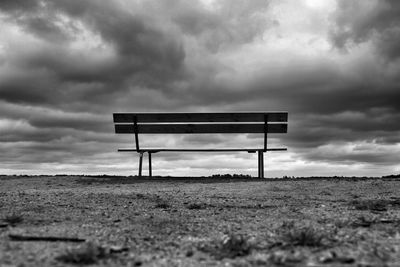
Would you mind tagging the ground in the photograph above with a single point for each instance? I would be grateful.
(126, 221)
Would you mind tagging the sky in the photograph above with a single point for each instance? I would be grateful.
(66, 66)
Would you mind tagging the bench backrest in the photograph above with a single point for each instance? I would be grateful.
(200, 123)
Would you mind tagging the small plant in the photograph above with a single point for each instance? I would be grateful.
(331, 257)
(87, 253)
(381, 253)
(340, 223)
(195, 206)
(236, 245)
(363, 221)
(304, 237)
(325, 193)
(231, 246)
(13, 219)
(140, 196)
(162, 205)
(370, 204)
(286, 258)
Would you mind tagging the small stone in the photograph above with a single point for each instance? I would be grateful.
(189, 253)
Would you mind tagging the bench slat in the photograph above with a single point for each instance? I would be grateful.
(199, 128)
(200, 117)
(155, 150)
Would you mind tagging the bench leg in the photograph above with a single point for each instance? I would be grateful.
(140, 164)
(260, 164)
(150, 174)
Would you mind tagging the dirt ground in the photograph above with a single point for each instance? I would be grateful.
(126, 221)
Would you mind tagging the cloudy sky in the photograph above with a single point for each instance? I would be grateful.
(66, 66)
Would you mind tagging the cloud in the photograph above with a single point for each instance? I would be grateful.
(358, 22)
(356, 152)
(226, 25)
(18, 5)
(129, 49)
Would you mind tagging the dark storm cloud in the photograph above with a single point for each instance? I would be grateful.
(148, 56)
(352, 153)
(315, 86)
(360, 21)
(231, 23)
(358, 105)
(142, 52)
(325, 105)
(35, 18)
(315, 130)
(18, 6)
(141, 46)
(57, 90)
(51, 118)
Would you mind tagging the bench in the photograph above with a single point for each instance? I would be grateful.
(201, 123)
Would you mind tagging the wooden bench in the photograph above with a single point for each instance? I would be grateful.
(201, 123)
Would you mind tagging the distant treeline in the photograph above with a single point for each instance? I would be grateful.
(215, 176)
(392, 176)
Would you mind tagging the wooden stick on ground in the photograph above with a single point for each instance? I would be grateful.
(15, 237)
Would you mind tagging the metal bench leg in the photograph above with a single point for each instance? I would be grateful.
(260, 164)
(150, 174)
(140, 164)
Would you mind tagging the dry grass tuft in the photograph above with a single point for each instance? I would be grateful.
(231, 246)
(235, 245)
(370, 204)
(13, 219)
(162, 205)
(306, 237)
(87, 253)
(286, 258)
(195, 206)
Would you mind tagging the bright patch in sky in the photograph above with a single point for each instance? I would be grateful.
(325, 5)
(209, 4)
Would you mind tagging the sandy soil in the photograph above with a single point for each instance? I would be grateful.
(187, 222)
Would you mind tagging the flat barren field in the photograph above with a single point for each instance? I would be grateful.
(126, 221)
